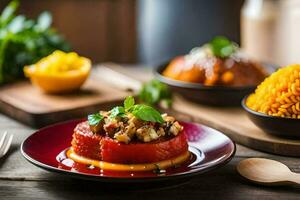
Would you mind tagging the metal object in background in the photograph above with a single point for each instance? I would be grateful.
(171, 27)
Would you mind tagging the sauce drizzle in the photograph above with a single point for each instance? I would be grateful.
(128, 167)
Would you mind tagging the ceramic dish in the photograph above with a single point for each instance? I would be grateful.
(210, 95)
(46, 149)
(279, 126)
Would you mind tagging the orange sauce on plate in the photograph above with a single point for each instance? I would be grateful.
(129, 167)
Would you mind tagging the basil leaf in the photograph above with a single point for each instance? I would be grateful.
(146, 113)
(129, 102)
(222, 47)
(118, 111)
(95, 119)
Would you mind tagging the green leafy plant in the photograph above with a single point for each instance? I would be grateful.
(24, 41)
(222, 47)
(155, 92)
(140, 111)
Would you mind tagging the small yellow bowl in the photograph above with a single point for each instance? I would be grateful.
(59, 82)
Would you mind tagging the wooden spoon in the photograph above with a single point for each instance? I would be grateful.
(267, 172)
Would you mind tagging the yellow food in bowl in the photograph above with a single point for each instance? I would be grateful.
(59, 72)
(279, 94)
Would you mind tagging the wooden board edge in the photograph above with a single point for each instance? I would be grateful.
(38, 120)
(261, 145)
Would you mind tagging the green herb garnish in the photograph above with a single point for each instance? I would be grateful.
(146, 113)
(140, 111)
(155, 92)
(118, 111)
(222, 47)
(95, 119)
(24, 41)
(129, 102)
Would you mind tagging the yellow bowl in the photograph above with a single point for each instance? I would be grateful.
(61, 82)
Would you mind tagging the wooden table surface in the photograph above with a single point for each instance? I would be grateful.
(21, 180)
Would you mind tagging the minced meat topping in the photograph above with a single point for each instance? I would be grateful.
(128, 128)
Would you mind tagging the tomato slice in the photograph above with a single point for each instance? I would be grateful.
(115, 152)
(98, 147)
(85, 143)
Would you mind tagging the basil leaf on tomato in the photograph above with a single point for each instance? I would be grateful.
(129, 102)
(94, 119)
(146, 113)
(118, 111)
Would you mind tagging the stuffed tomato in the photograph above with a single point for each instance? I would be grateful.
(133, 134)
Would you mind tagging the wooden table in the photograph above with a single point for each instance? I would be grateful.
(21, 180)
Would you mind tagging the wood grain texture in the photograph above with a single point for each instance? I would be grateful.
(21, 180)
(224, 183)
(103, 30)
(267, 172)
(29, 105)
(234, 123)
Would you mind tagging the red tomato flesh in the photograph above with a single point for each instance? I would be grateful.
(110, 150)
(85, 143)
(115, 152)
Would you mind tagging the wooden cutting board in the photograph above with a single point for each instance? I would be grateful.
(235, 123)
(26, 103)
(29, 105)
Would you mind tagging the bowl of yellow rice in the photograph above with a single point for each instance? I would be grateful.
(275, 104)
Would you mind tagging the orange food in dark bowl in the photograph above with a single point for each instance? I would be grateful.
(218, 63)
(217, 73)
(222, 72)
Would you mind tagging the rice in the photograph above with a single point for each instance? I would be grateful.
(279, 94)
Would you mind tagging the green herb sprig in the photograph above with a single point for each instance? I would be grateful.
(155, 92)
(146, 113)
(118, 111)
(129, 103)
(222, 47)
(24, 41)
(95, 119)
(140, 111)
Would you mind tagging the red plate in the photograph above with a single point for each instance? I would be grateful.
(46, 149)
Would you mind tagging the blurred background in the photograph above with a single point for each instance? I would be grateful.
(131, 31)
(153, 31)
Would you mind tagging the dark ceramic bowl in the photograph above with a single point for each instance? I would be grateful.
(210, 95)
(279, 126)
